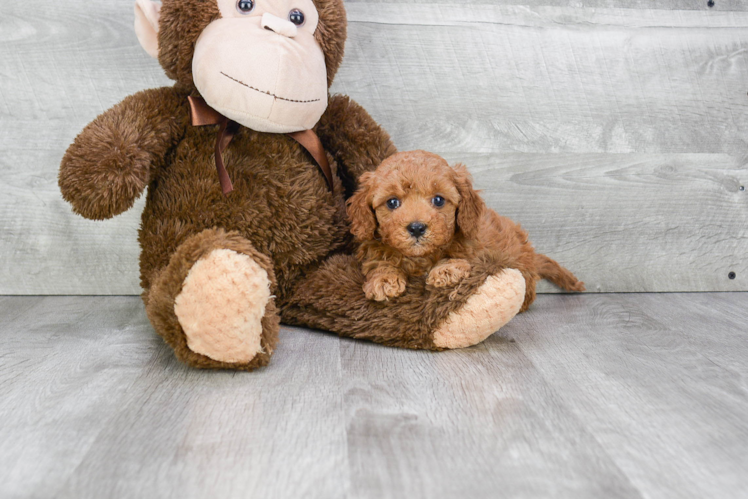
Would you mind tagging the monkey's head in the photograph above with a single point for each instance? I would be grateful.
(266, 64)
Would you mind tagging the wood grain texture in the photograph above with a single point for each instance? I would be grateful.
(186, 433)
(656, 367)
(719, 5)
(64, 365)
(472, 423)
(94, 404)
(497, 78)
(606, 395)
(678, 223)
(551, 78)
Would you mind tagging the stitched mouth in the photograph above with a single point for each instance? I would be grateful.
(267, 93)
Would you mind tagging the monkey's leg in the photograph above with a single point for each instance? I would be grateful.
(424, 317)
(213, 303)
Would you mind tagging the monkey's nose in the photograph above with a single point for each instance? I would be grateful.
(417, 229)
(278, 25)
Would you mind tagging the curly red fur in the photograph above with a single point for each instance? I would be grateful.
(360, 213)
(459, 228)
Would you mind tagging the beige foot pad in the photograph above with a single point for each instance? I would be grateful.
(221, 306)
(492, 306)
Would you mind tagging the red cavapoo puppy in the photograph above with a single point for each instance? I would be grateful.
(415, 215)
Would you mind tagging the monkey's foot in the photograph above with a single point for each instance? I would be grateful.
(221, 306)
(213, 305)
(496, 302)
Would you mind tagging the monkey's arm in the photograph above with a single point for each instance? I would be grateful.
(112, 160)
(355, 140)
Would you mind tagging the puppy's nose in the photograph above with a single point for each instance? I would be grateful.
(416, 229)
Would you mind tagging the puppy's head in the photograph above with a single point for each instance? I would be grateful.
(415, 202)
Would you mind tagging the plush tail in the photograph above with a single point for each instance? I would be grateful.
(552, 271)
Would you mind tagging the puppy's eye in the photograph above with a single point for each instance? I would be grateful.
(438, 201)
(393, 203)
(296, 17)
(245, 6)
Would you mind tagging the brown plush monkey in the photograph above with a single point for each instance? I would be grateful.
(219, 272)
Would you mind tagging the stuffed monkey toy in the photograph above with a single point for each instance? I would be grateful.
(248, 162)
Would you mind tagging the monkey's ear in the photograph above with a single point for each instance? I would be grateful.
(147, 14)
(360, 213)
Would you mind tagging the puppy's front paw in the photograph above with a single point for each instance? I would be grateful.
(384, 286)
(448, 273)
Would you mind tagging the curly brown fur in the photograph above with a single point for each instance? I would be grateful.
(115, 157)
(332, 298)
(418, 188)
(281, 208)
(281, 212)
(181, 24)
(331, 34)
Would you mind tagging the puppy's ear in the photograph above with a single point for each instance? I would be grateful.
(360, 212)
(471, 206)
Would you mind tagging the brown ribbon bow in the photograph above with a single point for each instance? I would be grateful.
(202, 115)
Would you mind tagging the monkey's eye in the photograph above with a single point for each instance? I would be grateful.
(245, 6)
(296, 17)
(438, 201)
(393, 203)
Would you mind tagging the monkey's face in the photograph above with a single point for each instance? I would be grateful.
(260, 65)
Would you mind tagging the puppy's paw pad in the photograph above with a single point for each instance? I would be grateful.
(449, 273)
(383, 287)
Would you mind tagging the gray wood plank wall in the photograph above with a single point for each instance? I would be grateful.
(614, 130)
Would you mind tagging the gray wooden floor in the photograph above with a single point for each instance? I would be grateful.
(595, 395)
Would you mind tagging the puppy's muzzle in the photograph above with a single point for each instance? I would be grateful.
(417, 229)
